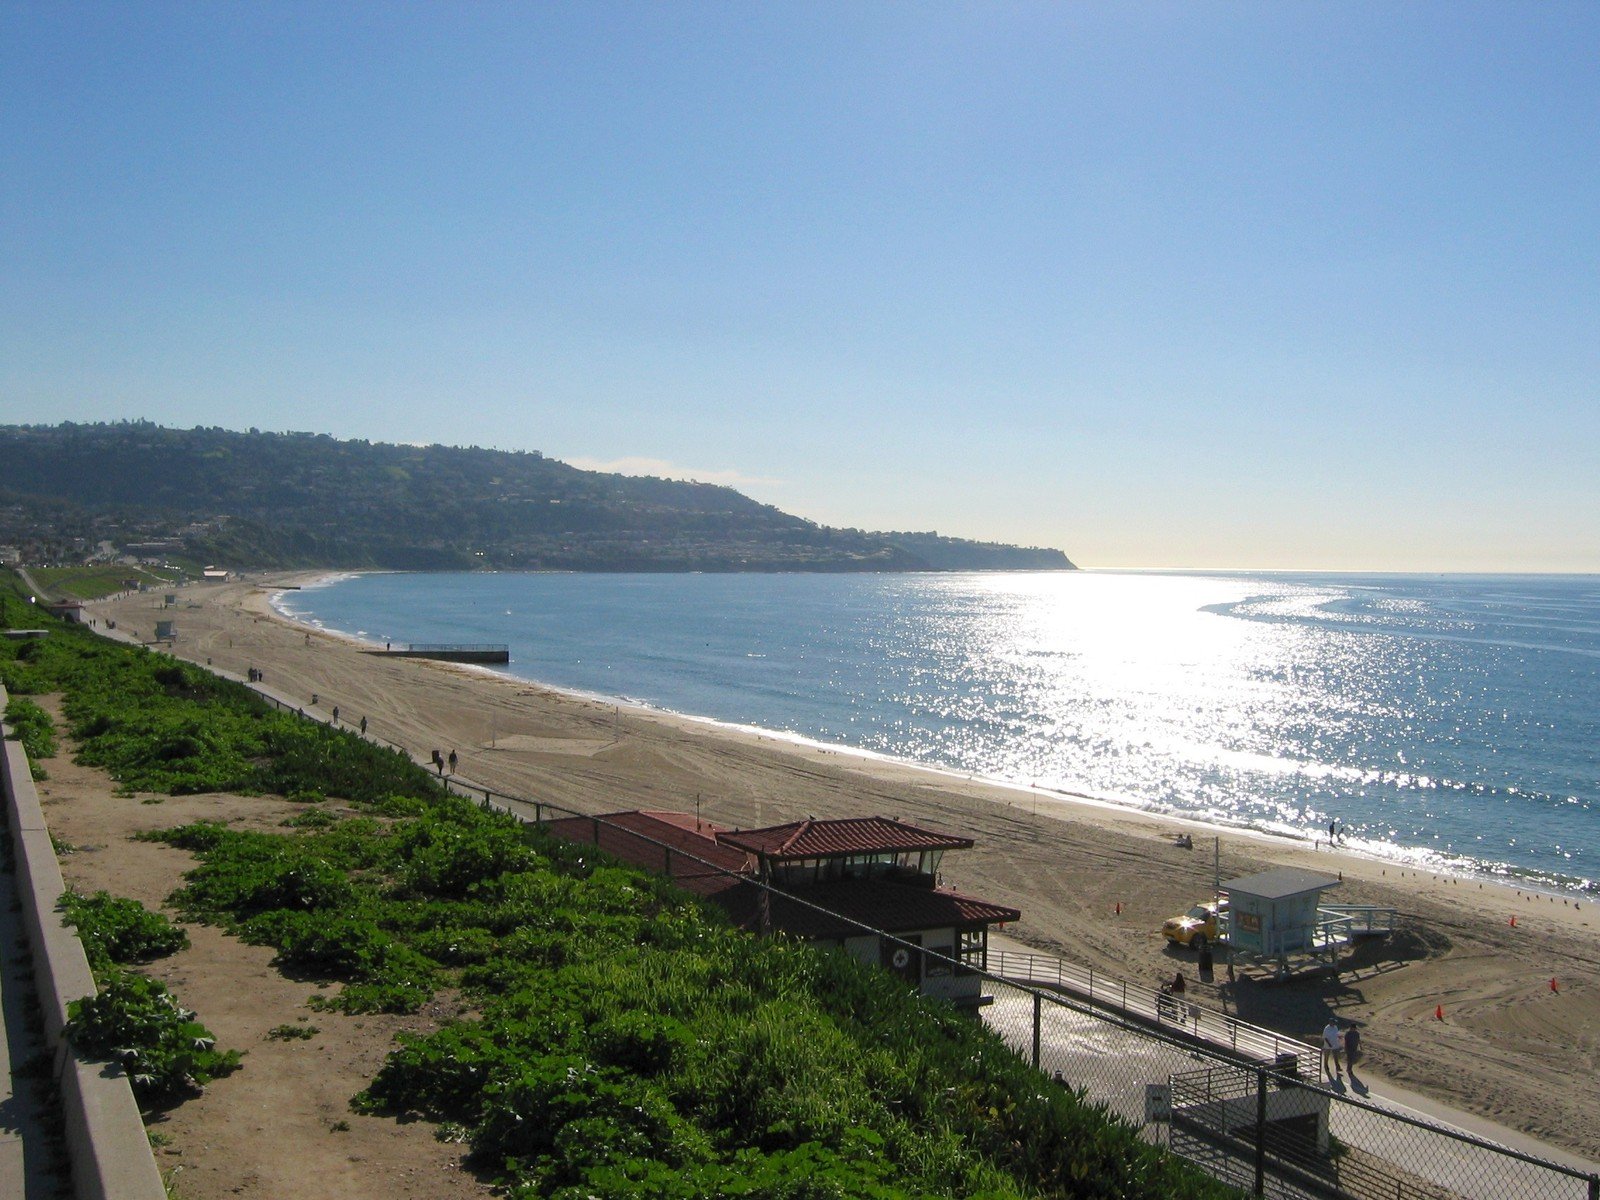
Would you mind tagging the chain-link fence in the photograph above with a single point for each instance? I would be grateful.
(1261, 1126)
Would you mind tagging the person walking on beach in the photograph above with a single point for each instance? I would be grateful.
(1332, 1044)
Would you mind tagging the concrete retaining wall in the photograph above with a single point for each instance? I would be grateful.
(111, 1156)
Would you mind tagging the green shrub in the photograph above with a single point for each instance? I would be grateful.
(120, 931)
(34, 729)
(139, 1024)
(293, 1033)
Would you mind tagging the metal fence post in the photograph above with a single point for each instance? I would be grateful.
(1261, 1132)
(1036, 1031)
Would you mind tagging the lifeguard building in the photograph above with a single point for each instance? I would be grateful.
(1278, 917)
(845, 883)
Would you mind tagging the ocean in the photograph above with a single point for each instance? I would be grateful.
(1451, 722)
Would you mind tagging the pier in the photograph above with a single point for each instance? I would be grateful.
(483, 652)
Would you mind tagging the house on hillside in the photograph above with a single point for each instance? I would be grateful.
(71, 611)
(868, 885)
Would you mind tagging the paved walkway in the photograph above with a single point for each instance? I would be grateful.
(31, 1159)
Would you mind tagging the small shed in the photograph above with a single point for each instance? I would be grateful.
(70, 611)
(1276, 914)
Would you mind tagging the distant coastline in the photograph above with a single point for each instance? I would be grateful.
(282, 501)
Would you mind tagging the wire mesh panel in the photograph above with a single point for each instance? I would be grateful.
(1276, 1135)
(1263, 1128)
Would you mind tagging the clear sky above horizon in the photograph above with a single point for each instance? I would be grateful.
(1254, 285)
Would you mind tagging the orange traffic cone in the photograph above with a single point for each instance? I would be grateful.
(1438, 1012)
(1513, 922)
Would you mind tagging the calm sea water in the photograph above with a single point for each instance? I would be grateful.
(1449, 721)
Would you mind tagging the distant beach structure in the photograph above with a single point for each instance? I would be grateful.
(495, 652)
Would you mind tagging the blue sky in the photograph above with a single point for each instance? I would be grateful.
(1260, 285)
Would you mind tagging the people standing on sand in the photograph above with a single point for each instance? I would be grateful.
(1332, 1044)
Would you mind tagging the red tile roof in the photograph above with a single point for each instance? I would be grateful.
(831, 839)
(643, 838)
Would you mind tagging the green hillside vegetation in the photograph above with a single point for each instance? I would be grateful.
(297, 499)
(105, 579)
(625, 1041)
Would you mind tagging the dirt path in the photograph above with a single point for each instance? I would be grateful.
(280, 1126)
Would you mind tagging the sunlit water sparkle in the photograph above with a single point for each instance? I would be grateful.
(1452, 721)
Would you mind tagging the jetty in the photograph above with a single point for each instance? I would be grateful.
(481, 652)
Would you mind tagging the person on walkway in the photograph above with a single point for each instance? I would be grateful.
(335, 714)
(1352, 1048)
(452, 762)
(438, 761)
(363, 726)
(1332, 1044)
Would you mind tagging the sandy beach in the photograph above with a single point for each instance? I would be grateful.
(1510, 1048)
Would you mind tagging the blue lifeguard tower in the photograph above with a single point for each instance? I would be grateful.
(1278, 916)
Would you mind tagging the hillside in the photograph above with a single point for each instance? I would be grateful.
(298, 499)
